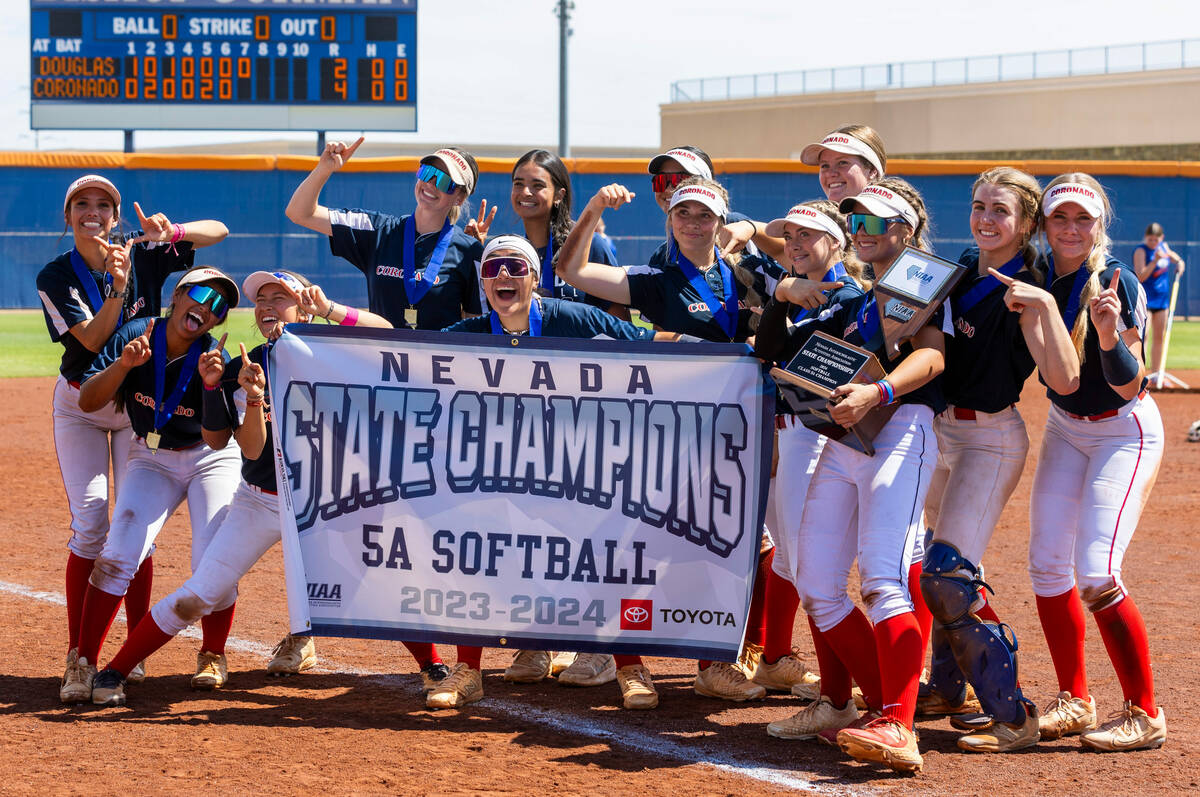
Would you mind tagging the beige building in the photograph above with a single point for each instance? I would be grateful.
(1144, 115)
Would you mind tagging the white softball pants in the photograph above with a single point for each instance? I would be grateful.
(86, 444)
(888, 490)
(799, 450)
(155, 485)
(250, 527)
(1093, 479)
(979, 464)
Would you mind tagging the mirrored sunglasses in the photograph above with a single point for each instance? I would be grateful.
(514, 266)
(440, 179)
(202, 294)
(661, 182)
(870, 224)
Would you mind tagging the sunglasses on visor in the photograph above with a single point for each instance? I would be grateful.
(201, 294)
(870, 224)
(442, 181)
(514, 266)
(661, 182)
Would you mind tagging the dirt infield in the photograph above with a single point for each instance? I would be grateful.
(357, 723)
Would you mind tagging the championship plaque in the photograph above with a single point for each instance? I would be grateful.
(822, 364)
(910, 291)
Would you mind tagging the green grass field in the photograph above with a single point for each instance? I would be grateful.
(26, 350)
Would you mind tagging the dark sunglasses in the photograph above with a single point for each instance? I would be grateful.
(661, 182)
(870, 224)
(200, 294)
(442, 181)
(515, 266)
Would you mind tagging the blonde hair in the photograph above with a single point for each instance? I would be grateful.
(1029, 199)
(913, 197)
(854, 266)
(868, 136)
(734, 259)
(1095, 261)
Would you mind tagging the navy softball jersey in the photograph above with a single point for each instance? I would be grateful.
(987, 360)
(1158, 284)
(374, 243)
(665, 296)
(844, 320)
(259, 472)
(138, 389)
(566, 319)
(66, 300)
(1095, 395)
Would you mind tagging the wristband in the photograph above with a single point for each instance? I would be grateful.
(329, 311)
(206, 387)
(1119, 365)
(177, 234)
(351, 318)
(887, 394)
(256, 401)
(214, 409)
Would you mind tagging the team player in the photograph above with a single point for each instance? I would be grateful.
(699, 292)
(1099, 460)
(420, 262)
(1152, 261)
(869, 506)
(510, 270)
(149, 366)
(236, 403)
(1004, 325)
(86, 294)
(823, 272)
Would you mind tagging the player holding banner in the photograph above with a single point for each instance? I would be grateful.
(1099, 461)
(236, 403)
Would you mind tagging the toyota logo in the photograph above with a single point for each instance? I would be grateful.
(636, 614)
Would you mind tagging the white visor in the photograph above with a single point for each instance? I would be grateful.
(254, 283)
(456, 166)
(702, 194)
(692, 163)
(882, 202)
(844, 143)
(523, 248)
(1080, 194)
(809, 218)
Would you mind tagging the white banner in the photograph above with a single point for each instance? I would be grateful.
(543, 493)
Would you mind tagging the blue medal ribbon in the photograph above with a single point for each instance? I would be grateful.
(535, 320)
(983, 287)
(724, 313)
(868, 322)
(84, 273)
(836, 274)
(1081, 278)
(548, 266)
(163, 410)
(416, 288)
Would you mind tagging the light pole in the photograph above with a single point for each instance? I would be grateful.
(564, 9)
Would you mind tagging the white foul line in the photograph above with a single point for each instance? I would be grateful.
(617, 736)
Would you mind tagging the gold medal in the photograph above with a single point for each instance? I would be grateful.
(152, 441)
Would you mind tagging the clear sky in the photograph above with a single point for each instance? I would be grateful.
(488, 69)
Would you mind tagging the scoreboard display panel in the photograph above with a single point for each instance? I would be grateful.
(224, 64)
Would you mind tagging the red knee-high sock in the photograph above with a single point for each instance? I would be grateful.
(137, 596)
(853, 641)
(424, 652)
(835, 678)
(143, 640)
(898, 640)
(923, 615)
(216, 629)
(470, 655)
(781, 603)
(624, 661)
(78, 571)
(1124, 635)
(986, 612)
(756, 621)
(1063, 626)
(99, 611)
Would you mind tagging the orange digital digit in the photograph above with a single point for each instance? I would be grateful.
(400, 69)
(225, 67)
(328, 29)
(262, 27)
(225, 89)
(170, 26)
(243, 67)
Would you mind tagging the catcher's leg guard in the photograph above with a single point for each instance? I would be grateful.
(986, 652)
(945, 676)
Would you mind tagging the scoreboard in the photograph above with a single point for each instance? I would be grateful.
(224, 64)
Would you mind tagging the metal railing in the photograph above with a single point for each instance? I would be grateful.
(1111, 59)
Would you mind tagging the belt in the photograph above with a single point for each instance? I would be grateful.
(73, 384)
(1100, 416)
(968, 414)
(784, 421)
(262, 490)
(142, 440)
